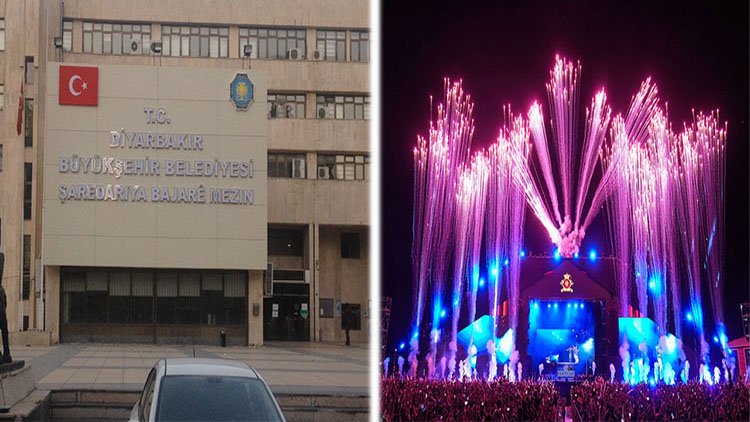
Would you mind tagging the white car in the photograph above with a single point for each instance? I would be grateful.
(195, 389)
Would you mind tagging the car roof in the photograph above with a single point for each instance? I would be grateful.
(204, 366)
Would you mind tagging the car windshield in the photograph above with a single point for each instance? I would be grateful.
(211, 398)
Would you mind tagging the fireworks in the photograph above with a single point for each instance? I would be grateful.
(664, 193)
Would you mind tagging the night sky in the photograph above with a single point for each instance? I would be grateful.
(696, 54)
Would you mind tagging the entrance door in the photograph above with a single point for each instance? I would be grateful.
(286, 315)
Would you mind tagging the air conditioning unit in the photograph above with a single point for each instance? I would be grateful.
(294, 54)
(317, 55)
(324, 172)
(135, 47)
(322, 111)
(298, 168)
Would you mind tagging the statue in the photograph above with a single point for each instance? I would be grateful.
(5, 357)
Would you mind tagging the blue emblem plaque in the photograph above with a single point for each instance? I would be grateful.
(241, 91)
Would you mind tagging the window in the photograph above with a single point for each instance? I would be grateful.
(351, 316)
(331, 44)
(115, 38)
(285, 242)
(29, 70)
(350, 245)
(67, 35)
(360, 46)
(195, 41)
(343, 107)
(2, 96)
(343, 167)
(2, 34)
(1, 158)
(273, 43)
(26, 267)
(28, 122)
(286, 165)
(27, 191)
(286, 106)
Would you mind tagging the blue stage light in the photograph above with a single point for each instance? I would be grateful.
(557, 254)
(575, 255)
(689, 316)
(416, 334)
(523, 253)
(568, 305)
(494, 271)
(401, 346)
(549, 305)
(555, 305)
(442, 313)
(536, 305)
(506, 262)
(592, 255)
(481, 282)
(588, 345)
(716, 339)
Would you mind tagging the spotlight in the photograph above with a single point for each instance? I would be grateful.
(493, 271)
(401, 346)
(442, 313)
(689, 316)
(568, 305)
(575, 255)
(536, 305)
(523, 253)
(592, 255)
(549, 305)
(557, 254)
(506, 262)
(555, 305)
(481, 281)
(716, 340)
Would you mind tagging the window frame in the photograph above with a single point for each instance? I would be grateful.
(331, 43)
(298, 100)
(261, 37)
(287, 159)
(362, 39)
(211, 39)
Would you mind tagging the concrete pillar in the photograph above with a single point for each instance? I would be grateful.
(255, 297)
(52, 298)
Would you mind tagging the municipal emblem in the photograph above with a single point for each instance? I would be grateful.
(241, 91)
(567, 284)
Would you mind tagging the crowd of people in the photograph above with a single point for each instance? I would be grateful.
(410, 399)
(599, 400)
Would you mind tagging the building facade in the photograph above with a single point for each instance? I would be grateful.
(286, 259)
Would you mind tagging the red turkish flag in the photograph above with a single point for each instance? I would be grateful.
(79, 85)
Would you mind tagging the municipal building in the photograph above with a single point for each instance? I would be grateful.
(177, 169)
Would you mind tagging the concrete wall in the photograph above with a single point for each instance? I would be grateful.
(344, 280)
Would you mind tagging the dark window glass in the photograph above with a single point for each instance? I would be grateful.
(28, 122)
(285, 242)
(351, 316)
(26, 267)
(350, 245)
(27, 173)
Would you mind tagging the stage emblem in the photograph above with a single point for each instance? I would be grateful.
(241, 91)
(567, 284)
